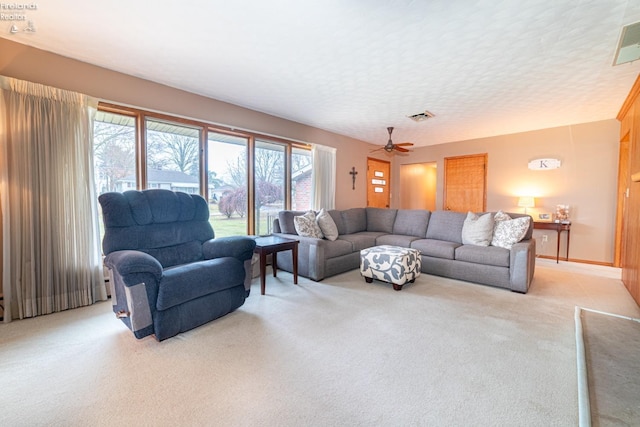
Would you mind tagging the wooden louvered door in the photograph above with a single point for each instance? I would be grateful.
(465, 183)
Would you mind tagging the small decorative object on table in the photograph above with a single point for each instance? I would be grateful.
(544, 217)
(562, 213)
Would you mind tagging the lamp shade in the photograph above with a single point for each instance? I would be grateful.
(526, 202)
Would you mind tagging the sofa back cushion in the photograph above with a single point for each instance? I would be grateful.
(446, 225)
(379, 219)
(354, 220)
(411, 222)
(337, 218)
(285, 219)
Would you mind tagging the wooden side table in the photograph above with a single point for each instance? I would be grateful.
(272, 245)
(559, 227)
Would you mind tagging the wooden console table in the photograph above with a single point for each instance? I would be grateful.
(272, 245)
(559, 227)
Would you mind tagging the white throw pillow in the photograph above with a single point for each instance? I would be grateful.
(508, 231)
(477, 230)
(327, 225)
(501, 216)
(306, 225)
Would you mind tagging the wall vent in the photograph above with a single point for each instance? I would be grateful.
(628, 49)
(420, 117)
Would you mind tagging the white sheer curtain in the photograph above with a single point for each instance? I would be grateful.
(323, 177)
(50, 237)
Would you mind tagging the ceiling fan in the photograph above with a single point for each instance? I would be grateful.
(391, 146)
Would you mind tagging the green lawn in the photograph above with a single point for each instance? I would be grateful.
(235, 226)
(223, 226)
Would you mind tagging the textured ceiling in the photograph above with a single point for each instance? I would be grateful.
(482, 67)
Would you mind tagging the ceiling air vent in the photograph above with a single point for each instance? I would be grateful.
(421, 117)
(629, 44)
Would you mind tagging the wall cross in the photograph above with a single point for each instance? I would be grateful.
(353, 174)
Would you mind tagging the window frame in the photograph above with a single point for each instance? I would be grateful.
(141, 116)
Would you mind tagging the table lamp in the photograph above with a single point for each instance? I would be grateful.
(526, 202)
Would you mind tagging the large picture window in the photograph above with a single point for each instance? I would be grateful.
(227, 181)
(245, 177)
(173, 160)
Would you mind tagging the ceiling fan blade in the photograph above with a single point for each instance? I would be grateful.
(377, 149)
(407, 144)
(401, 149)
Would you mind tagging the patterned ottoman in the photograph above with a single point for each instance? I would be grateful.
(391, 264)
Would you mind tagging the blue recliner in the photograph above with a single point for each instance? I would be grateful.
(168, 273)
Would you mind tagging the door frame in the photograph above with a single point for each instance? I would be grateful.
(387, 178)
(485, 156)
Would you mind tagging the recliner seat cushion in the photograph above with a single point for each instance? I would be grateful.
(186, 282)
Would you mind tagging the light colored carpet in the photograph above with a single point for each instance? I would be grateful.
(612, 360)
(335, 353)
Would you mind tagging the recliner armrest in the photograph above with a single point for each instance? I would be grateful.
(240, 247)
(128, 262)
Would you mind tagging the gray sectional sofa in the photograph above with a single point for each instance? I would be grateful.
(437, 234)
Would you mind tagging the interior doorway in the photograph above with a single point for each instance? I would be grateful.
(418, 183)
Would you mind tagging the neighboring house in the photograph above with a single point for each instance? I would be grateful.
(170, 180)
(216, 193)
(301, 188)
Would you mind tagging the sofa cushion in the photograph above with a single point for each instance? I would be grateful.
(285, 219)
(327, 225)
(411, 222)
(446, 225)
(354, 220)
(306, 225)
(337, 218)
(477, 229)
(379, 219)
(490, 255)
(396, 240)
(508, 231)
(435, 248)
(362, 240)
(336, 248)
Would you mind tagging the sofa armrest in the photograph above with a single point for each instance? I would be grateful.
(311, 255)
(130, 263)
(240, 247)
(522, 265)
